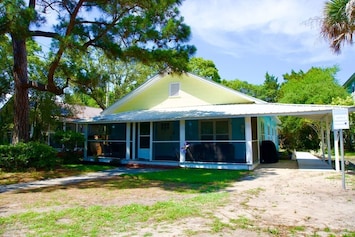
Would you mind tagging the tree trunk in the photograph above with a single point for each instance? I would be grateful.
(21, 101)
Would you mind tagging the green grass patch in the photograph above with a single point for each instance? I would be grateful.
(107, 220)
(86, 168)
(349, 234)
(296, 229)
(243, 222)
(201, 180)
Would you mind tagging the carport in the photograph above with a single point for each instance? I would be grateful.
(321, 113)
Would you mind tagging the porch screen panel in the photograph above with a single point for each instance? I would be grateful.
(116, 131)
(144, 135)
(207, 131)
(191, 130)
(212, 140)
(107, 140)
(222, 130)
(166, 131)
(166, 140)
(238, 129)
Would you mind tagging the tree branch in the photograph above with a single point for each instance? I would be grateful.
(55, 63)
(45, 34)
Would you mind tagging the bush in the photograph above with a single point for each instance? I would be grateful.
(22, 156)
(41, 156)
(13, 158)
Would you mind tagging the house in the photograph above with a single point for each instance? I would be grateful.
(188, 121)
(181, 120)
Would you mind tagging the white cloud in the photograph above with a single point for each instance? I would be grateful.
(277, 27)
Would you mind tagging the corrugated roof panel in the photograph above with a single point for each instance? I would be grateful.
(315, 112)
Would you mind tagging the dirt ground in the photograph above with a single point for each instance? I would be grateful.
(275, 199)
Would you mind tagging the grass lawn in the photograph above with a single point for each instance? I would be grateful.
(193, 191)
(144, 204)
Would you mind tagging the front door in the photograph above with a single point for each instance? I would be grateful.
(144, 140)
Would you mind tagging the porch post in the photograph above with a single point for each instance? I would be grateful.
(182, 141)
(128, 141)
(134, 141)
(151, 141)
(328, 141)
(248, 141)
(86, 132)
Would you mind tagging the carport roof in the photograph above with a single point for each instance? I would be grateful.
(311, 111)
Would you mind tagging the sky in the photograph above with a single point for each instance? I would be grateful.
(247, 39)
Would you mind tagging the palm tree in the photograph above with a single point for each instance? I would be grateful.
(350, 10)
(338, 23)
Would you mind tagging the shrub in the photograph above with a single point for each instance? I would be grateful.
(13, 158)
(41, 156)
(22, 156)
(71, 141)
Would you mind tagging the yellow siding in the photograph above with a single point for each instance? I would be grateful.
(193, 91)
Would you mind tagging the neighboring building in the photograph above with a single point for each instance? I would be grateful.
(349, 85)
(69, 115)
(66, 119)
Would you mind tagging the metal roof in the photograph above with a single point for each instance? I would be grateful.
(314, 112)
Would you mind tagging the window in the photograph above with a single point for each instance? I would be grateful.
(174, 89)
(215, 130)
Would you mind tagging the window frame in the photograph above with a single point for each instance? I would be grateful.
(214, 136)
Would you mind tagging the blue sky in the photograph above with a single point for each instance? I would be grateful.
(246, 39)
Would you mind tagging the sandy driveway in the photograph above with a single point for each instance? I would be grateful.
(293, 197)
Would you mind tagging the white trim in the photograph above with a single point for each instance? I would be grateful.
(128, 140)
(240, 94)
(248, 141)
(138, 90)
(216, 165)
(182, 141)
(151, 141)
(134, 141)
(336, 149)
(328, 141)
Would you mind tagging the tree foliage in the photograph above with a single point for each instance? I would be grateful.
(204, 68)
(316, 86)
(268, 91)
(100, 81)
(243, 86)
(5, 67)
(135, 30)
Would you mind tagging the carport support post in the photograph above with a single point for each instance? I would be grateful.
(336, 149)
(322, 142)
(342, 159)
(328, 142)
